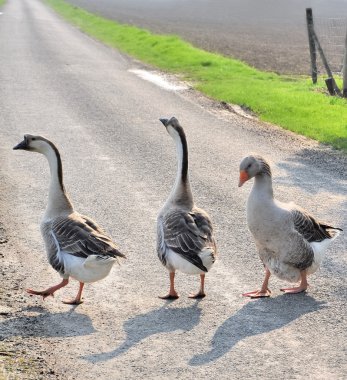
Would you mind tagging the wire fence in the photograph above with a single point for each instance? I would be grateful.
(331, 33)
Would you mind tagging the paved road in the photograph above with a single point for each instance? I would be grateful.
(269, 34)
(119, 165)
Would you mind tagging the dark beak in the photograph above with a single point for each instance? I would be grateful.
(164, 121)
(22, 145)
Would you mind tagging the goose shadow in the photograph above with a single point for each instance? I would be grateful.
(163, 320)
(38, 322)
(315, 171)
(255, 318)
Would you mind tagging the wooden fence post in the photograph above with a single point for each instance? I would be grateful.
(311, 41)
(330, 86)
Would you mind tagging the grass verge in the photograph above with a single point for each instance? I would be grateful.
(2, 2)
(290, 102)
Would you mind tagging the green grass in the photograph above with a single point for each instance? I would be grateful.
(2, 2)
(290, 102)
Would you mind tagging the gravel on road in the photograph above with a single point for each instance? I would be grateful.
(119, 165)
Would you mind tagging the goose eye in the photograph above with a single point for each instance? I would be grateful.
(248, 166)
(33, 139)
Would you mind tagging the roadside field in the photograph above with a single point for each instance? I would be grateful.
(290, 102)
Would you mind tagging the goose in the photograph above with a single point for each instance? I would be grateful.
(185, 239)
(289, 240)
(76, 246)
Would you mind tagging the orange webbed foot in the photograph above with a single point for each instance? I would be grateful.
(295, 290)
(258, 293)
(170, 296)
(72, 302)
(43, 293)
(199, 295)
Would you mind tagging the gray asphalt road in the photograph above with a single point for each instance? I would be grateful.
(119, 166)
(268, 34)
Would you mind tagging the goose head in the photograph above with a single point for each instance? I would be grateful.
(37, 144)
(252, 166)
(173, 128)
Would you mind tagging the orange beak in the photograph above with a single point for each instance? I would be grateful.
(243, 177)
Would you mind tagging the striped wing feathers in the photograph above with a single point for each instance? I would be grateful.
(188, 233)
(80, 236)
(311, 230)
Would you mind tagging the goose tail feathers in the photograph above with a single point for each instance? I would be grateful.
(334, 232)
(115, 253)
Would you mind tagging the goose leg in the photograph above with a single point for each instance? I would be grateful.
(299, 289)
(50, 291)
(77, 300)
(172, 292)
(201, 293)
(264, 291)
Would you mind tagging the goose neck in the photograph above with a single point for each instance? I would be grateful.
(58, 200)
(181, 193)
(263, 185)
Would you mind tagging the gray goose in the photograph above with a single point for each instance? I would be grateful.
(76, 246)
(290, 241)
(185, 239)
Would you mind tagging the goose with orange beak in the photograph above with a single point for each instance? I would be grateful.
(290, 241)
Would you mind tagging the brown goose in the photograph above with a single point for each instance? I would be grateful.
(290, 241)
(185, 239)
(76, 246)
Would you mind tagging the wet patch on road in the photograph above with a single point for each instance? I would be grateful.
(159, 80)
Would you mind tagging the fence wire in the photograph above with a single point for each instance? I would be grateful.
(331, 33)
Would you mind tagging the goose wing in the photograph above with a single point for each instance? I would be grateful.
(188, 233)
(306, 225)
(80, 236)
